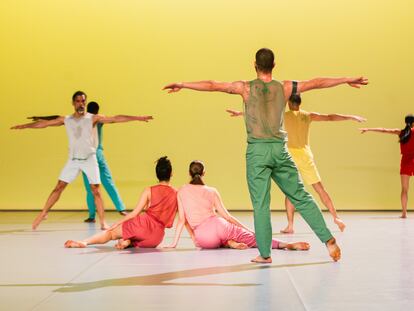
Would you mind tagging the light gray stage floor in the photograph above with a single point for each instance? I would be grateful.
(36, 273)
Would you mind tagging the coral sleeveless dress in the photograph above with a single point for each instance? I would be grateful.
(147, 229)
(407, 156)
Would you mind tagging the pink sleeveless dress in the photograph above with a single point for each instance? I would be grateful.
(210, 230)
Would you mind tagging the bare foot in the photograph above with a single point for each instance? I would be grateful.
(260, 259)
(104, 226)
(404, 215)
(287, 230)
(236, 245)
(298, 246)
(122, 244)
(75, 244)
(333, 249)
(341, 225)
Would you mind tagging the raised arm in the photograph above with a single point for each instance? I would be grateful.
(335, 117)
(180, 224)
(119, 118)
(40, 124)
(223, 212)
(322, 83)
(380, 130)
(143, 203)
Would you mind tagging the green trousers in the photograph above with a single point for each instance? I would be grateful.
(270, 159)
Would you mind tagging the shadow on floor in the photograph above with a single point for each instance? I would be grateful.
(164, 279)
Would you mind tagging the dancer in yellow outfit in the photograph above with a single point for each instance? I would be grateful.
(297, 122)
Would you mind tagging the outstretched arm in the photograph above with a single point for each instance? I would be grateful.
(234, 113)
(335, 117)
(322, 83)
(40, 124)
(142, 204)
(223, 212)
(37, 118)
(238, 87)
(380, 130)
(180, 224)
(119, 118)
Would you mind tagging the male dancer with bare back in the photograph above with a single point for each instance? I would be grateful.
(267, 157)
(82, 151)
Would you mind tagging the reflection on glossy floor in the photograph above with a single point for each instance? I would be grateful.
(37, 273)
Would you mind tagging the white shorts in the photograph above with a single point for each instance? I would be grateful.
(73, 167)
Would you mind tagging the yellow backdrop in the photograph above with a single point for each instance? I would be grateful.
(121, 53)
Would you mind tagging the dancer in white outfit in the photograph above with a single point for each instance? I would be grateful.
(82, 151)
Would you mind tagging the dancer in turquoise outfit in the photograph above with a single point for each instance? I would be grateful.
(106, 176)
(267, 157)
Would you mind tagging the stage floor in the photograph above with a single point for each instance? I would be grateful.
(376, 271)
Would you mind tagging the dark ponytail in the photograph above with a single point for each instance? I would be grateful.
(405, 134)
(196, 171)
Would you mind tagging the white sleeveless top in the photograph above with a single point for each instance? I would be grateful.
(82, 136)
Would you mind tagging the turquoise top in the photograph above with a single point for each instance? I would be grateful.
(100, 135)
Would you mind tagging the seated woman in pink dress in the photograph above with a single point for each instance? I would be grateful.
(159, 206)
(208, 221)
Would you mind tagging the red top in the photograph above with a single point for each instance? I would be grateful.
(163, 205)
(408, 147)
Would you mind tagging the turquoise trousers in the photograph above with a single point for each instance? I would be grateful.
(108, 184)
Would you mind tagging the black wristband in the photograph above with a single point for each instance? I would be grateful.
(294, 87)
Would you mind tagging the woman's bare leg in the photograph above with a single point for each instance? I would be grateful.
(326, 200)
(99, 238)
(405, 183)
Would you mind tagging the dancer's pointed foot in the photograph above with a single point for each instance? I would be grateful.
(237, 245)
(341, 225)
(298, 246)
(260, 259)
(122, 244)
(287, 230)
(38, 220)
(333, 249)
(404, 215)
(75, 244)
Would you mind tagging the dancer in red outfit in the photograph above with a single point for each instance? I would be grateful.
(159, 206)
(407, 155)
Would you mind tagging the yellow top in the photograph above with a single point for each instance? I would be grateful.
(297, 128)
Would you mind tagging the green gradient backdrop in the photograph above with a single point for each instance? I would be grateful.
(121, 53)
